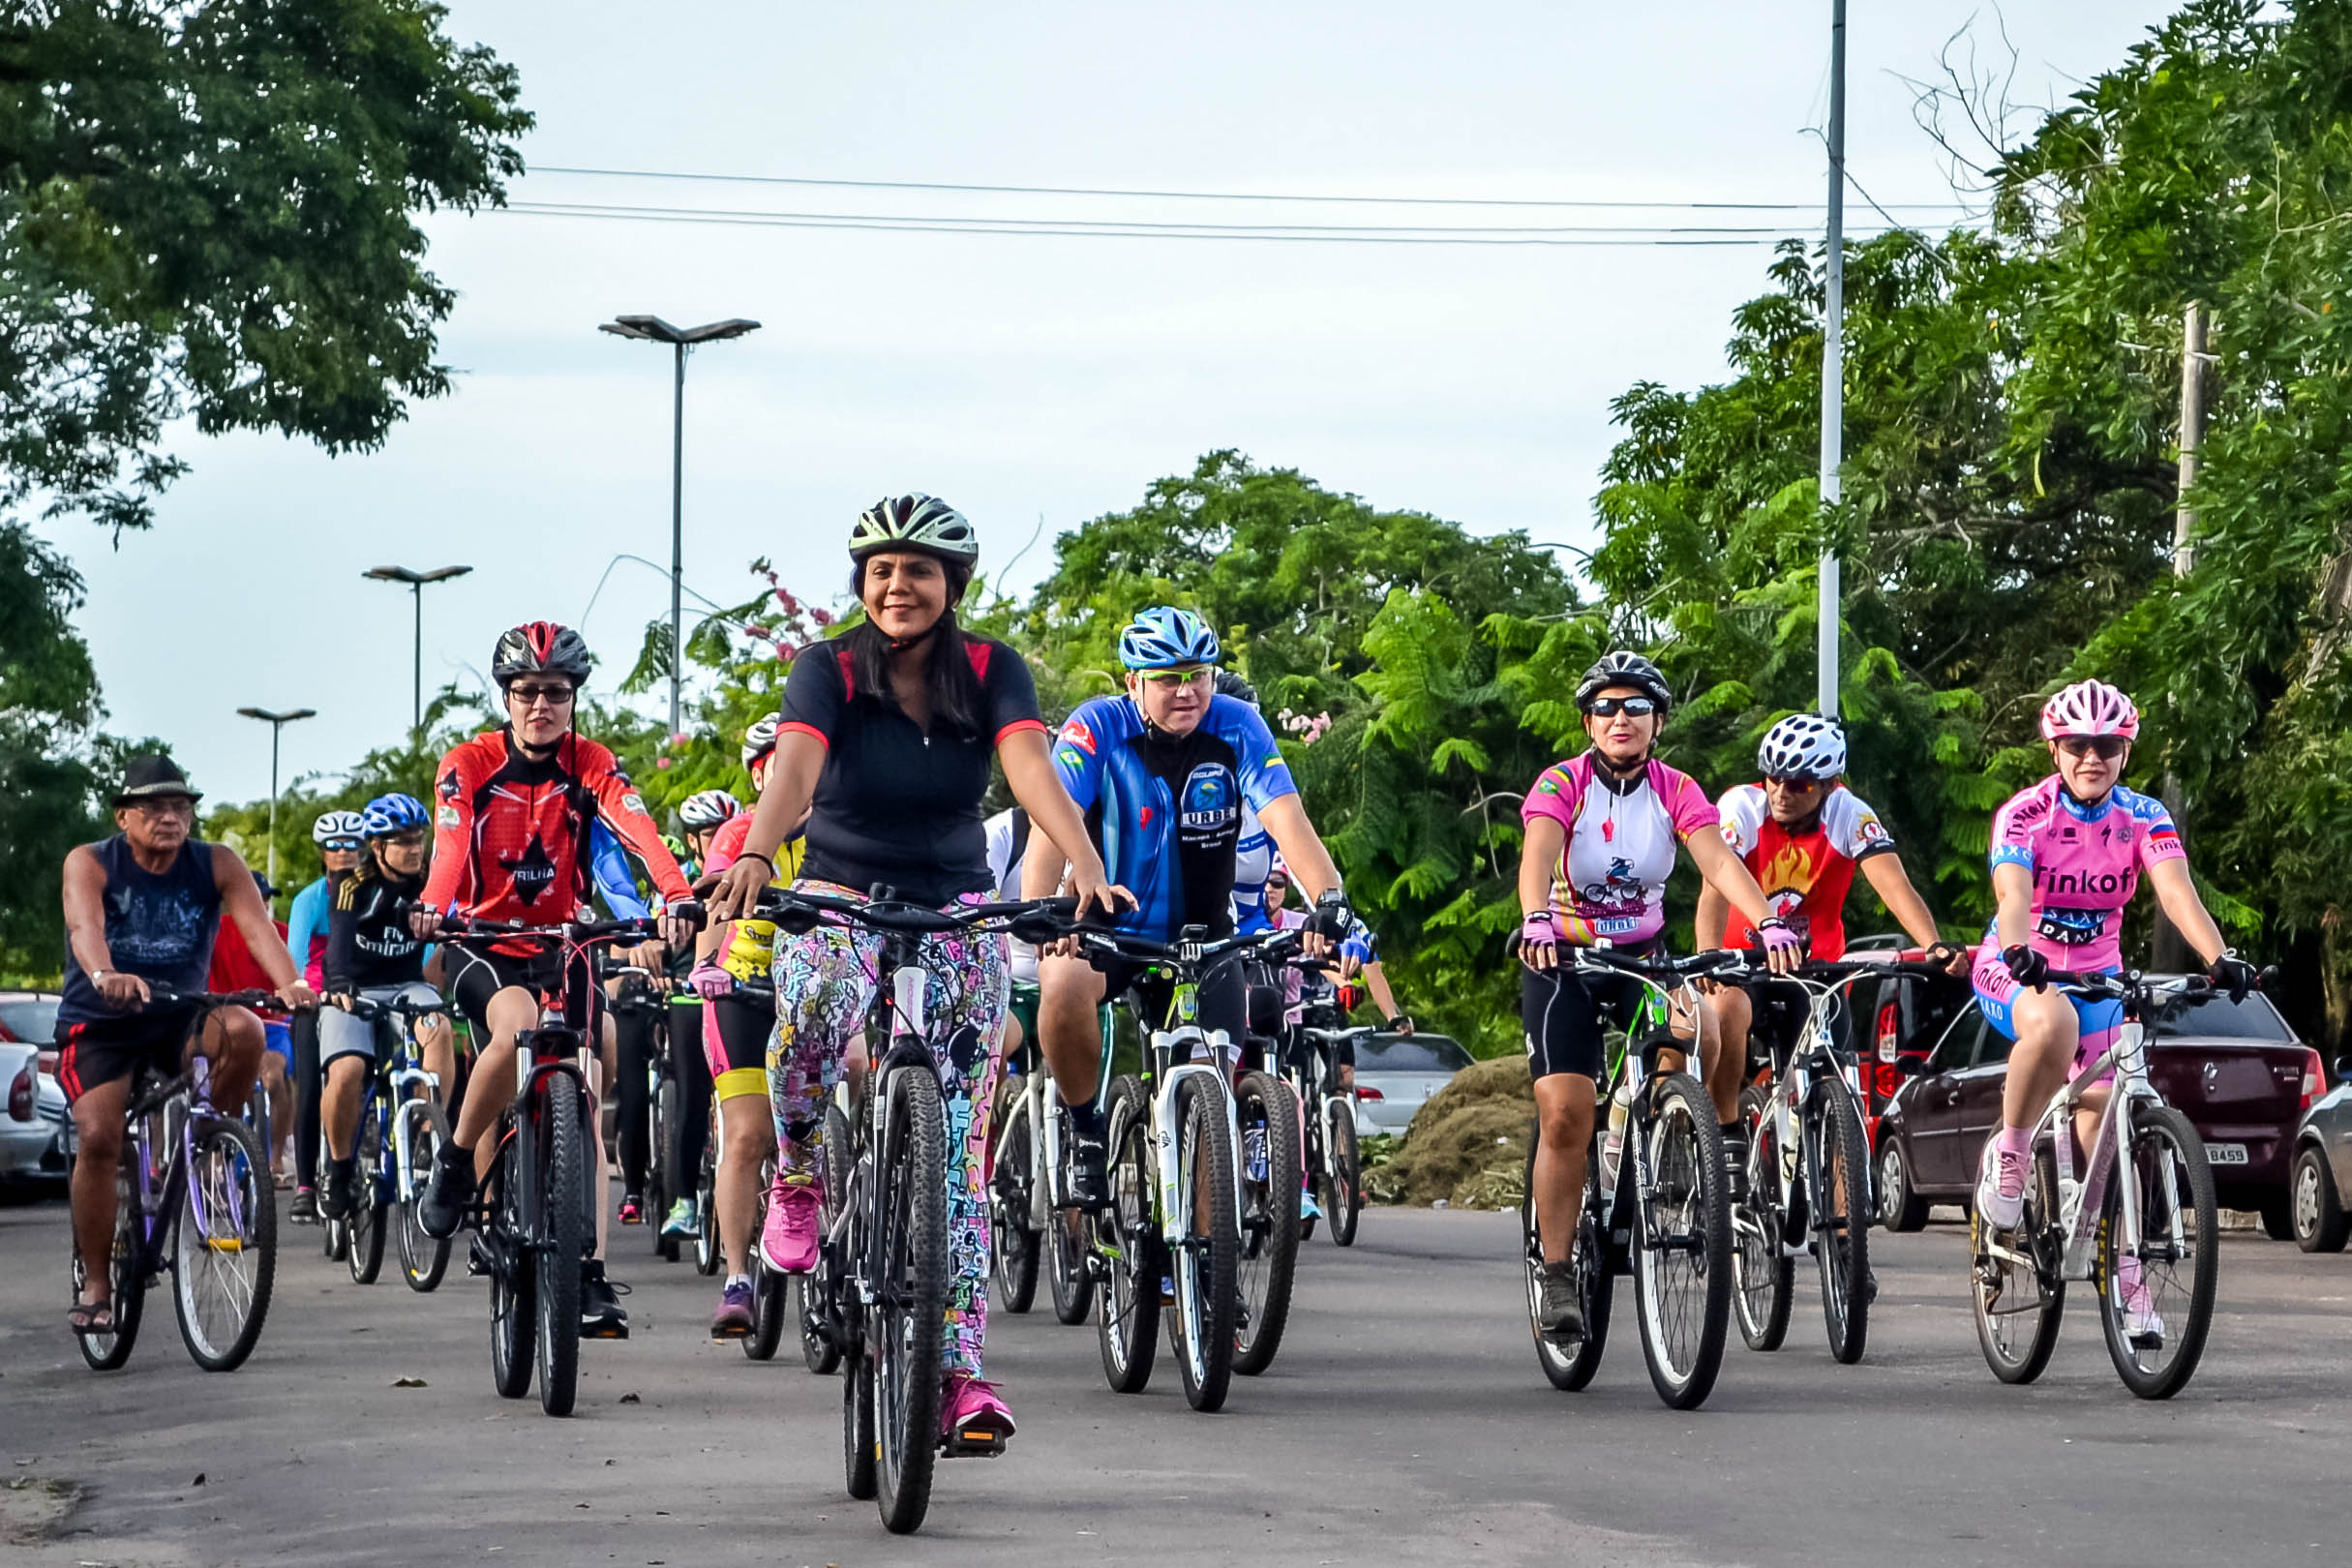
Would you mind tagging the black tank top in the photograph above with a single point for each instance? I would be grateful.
(158, 928)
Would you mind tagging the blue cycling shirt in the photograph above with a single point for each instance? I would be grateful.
(1166, 810)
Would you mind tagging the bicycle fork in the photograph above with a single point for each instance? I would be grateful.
(1176, 1195)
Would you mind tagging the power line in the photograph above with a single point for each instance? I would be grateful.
(1207, 196)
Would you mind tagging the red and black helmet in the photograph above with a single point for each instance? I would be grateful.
(540, 647)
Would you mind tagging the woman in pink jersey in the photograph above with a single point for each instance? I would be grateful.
(1603, 832)
(2067, 855)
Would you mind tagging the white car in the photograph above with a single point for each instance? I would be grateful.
(36, 1134)
(1395, 1072)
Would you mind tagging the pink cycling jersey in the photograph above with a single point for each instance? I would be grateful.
(1609, 883)
(2086, 863)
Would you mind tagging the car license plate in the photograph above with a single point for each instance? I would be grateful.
(2225, 1153)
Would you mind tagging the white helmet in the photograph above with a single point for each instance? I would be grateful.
(761, 738)
(915, 522)
(1803, 745)
(706, 808)
(338, 828)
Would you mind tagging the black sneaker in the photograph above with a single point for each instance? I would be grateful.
(305, 1211)
(342, 1194)
(1089, 1173)
(1561, 1312)
(600, 1313)
(449, 1195)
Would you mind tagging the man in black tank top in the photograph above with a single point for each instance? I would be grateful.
(141, 911)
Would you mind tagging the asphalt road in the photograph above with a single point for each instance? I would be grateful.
(1404, 1421)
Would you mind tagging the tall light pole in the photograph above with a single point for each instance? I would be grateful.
(1833, 367)
(276, 723)
(653, 329)
(416, 582)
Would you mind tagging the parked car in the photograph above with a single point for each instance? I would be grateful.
(1395, 1072)
(2319, 1181)
(2235, 1070)
(36, 1134)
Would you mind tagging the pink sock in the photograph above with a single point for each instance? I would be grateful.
(2016, 1146)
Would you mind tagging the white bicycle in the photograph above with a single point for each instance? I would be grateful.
(1031, 1221)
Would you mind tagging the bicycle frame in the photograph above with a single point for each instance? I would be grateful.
(1815, 1058)
(1169, 1073)
(1629, 1074)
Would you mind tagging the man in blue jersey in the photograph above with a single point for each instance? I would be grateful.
(1162, 774)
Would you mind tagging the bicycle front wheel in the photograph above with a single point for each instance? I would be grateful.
(1763, 1280)
(1344, 1182)
(1207, 1253)
(2015, 1287)
(227, 1249)
(1067, 1253)
(910, 1278)
(423, 1258)
(1128, 1322)
(667, 1182)
(1837, 1180)
(1009, 1237)
(1271, 1182)
(371, 1198)
(1682, 1243)
(1568, 1365)
(514, 1307)
(562, 1143)
(2157, 1302)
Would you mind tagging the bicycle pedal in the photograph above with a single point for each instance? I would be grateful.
(604, 1331)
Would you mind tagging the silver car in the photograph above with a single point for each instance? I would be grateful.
(36, 1137)
(1395, 1072)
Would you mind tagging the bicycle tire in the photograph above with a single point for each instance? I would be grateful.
(1764, 1281)
(127, 1274)
(708, 1254)
(2156, 1129)
(1012, 1245)
(561, 1139)
(1684, 1145)
(860, 1462)
(423, 1259)
(229, 1166)
(667, 1142)
(1569, 1368)
(770, 1310)
(2019, 1356)
(514, 1307)
(1268, 1254)
(911, 1306)
(1067, 1253)
(1840, 1217)
(1127, 1323)
(371, 1207)
(812, 1292)
(1343, 1187)
(1207, 1286)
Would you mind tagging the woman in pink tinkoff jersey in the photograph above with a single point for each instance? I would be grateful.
(2067, 855)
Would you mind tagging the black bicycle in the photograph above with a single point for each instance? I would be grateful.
(534, 1218)
(879, 1297)
(193, 1195)
(1328, 1154)
(401, 1127)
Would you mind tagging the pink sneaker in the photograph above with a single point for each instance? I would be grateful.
(972, 1419)
(795, 1215)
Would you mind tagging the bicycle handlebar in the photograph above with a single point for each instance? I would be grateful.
(1194, 953)
(162, 995)
(468, 928)
(1697, 965)
(1032, 919)
(372, 1009)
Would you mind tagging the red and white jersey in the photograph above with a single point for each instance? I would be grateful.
(1804, 870)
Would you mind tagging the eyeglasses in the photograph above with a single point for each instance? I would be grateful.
(1175, 680)
(166, 805)
(526, 696)
(1794, 781)
(1612, 707)
(2105, 747)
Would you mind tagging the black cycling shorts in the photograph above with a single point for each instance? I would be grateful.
(477, 975)
(96, 1053)
(1564, 1015)
(745, 1025)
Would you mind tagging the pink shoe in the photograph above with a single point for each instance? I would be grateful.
(972, 1418)
(795, 1215)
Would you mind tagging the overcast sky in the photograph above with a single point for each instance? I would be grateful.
(1020, 376)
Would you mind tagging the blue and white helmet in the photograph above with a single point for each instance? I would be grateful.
(1164, 637)
(389, 814)
(338, 828)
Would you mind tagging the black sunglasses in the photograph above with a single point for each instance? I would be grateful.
(1794, 781)
(2105, 747)
(1612, 707)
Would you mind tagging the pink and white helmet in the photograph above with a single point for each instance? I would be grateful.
(2090, 707)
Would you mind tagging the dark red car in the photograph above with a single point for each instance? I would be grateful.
(2237, 1070)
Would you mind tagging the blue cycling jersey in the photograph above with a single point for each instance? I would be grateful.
(1166, 810)
(609, 865)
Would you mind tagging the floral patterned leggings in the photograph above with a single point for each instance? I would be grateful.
(825, 985)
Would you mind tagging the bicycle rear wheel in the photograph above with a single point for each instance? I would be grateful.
(1067, 1253)
(561, 1137)
(371, 1196)
(514, 1304)
(1271, 1182)
(1764, 1281)
(1016, 1246)
(1839, 1198)
(909, 1293)
(1682, 1244)
(2016, 1292)
(126, 1272)
(666, 1183)
(2179, 1257)
(1343, 1181)
(1207, 1256)
(1127, 1324)
(226, 1249)
(423, 1259)
(1569, 1365)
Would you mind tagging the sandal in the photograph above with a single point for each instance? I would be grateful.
(87, 1317)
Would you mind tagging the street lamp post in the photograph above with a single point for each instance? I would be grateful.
(1833, 369)
(653, 329)
(416, 582)
(276, 723)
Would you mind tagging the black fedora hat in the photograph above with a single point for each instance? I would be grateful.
(153, 774)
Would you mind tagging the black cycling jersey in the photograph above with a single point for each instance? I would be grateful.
(369, 943)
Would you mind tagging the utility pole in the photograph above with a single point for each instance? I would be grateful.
(1833, 369)
(2171, 952)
